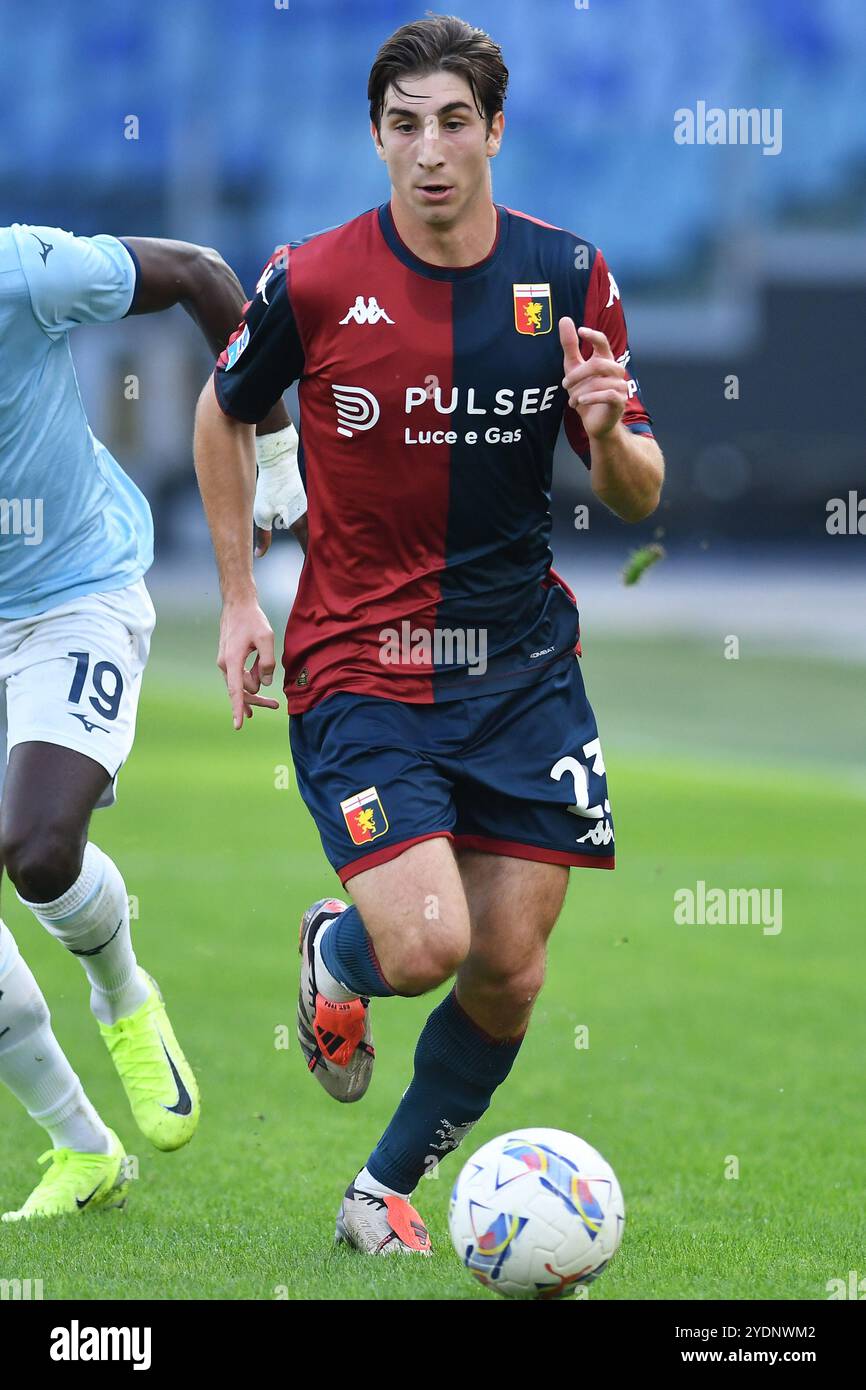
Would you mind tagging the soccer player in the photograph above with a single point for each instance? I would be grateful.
(440, 730)
(76, 539)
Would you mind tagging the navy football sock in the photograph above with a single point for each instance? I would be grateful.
(457, 1068)
(347, 950)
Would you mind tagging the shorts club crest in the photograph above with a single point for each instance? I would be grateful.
(365, 819)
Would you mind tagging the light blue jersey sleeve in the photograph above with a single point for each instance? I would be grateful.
(74, 279)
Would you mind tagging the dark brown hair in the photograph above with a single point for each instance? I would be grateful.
(441, 42)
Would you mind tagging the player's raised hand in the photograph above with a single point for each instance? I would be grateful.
(596, 385)
(244, 629)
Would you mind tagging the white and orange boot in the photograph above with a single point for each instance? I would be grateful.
(335, 1036)
(380, 1224)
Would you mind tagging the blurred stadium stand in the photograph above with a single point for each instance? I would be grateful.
(253, 130)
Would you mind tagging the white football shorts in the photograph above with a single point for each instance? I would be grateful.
(72, 676)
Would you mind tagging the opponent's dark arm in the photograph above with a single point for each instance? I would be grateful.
(197, 278)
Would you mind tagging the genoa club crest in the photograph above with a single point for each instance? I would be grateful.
(533, 313)
(364, 816)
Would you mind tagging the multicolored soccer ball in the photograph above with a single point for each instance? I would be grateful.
(536, 1213)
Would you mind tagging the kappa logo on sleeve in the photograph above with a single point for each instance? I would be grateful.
(278, 261)
(364, 816)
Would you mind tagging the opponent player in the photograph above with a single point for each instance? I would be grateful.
(76, 538)
(440, 730)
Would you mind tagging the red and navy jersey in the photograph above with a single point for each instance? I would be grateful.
(431, 399)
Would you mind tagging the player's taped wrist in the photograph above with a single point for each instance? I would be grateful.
(280, 498)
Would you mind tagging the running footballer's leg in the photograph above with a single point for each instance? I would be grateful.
(69, 884)
(35, 1069)
(87, 1170)
(72, 690)
(407, 932)
(416, 948)
(418, 920)
(518, 827)
(514, 905)
(78, 894)
(469, 1043)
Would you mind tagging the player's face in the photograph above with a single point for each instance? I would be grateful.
(436, 147)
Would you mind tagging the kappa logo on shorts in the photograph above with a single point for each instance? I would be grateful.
(600, 834)
(364, 816)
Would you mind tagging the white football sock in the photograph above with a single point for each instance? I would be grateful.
(365, 1182)
(91, 919)
(326, 983)
(32, 1063)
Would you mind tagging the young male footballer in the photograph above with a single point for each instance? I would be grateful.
(440, 730)
(76, 539)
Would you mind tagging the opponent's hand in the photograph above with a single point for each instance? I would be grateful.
(280, 499)
(596, 385)
(244, 629)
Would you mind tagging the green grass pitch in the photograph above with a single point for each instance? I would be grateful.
(705, 1042)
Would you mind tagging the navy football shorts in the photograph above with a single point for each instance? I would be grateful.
(518, 773)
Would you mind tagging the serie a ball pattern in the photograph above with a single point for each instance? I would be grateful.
(536, 1213)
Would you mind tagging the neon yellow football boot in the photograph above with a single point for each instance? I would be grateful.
(77, 1182)
(158, 1080)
